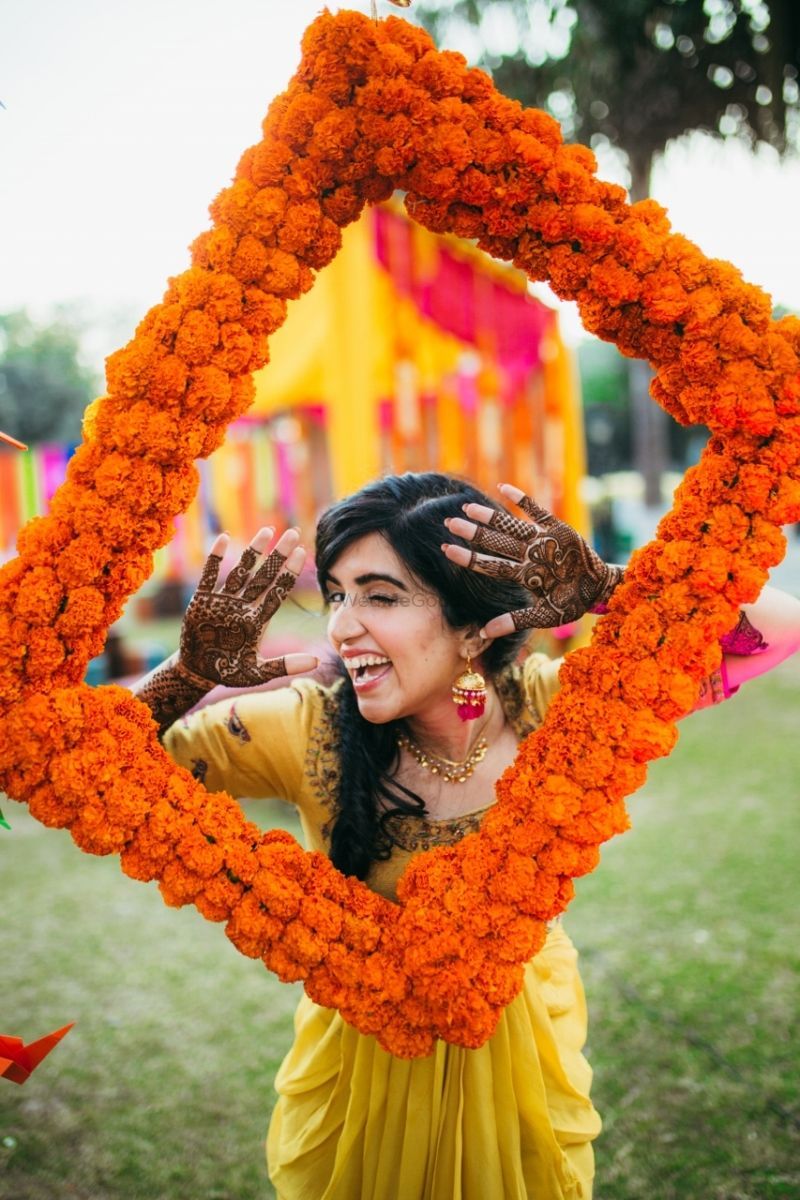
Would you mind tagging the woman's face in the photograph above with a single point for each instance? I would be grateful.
(378, 611)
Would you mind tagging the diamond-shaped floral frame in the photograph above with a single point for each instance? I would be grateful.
(376, 107)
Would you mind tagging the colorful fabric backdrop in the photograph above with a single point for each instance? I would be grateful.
(412, 352)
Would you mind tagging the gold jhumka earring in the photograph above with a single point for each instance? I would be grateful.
(469, 693)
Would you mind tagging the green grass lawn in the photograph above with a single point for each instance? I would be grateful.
(690, 947)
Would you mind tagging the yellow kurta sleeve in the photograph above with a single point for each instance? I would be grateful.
(540, 681)
(251, 745)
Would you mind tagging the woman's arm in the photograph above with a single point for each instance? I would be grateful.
(767, 633)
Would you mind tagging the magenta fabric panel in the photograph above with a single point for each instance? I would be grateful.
(286, 490)
(52, 469)
(467, 391)
(472, 307)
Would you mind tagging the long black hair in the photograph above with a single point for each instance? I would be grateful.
(408, 511)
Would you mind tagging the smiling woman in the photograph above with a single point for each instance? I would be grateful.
(381, 766)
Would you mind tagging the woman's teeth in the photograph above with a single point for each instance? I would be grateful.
(366, 665)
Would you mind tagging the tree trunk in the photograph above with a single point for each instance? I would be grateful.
(649, 432)
(648, 420)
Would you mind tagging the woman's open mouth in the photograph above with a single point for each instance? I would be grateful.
(368, 670)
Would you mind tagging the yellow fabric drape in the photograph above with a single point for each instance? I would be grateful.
(510, 1121)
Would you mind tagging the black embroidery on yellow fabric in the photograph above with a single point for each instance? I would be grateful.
(236, 726)
(418, 833)
(199, 768)
(323, 766)
(518, 707)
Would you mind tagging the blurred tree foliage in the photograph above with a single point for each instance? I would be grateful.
(635, 74)
(44, 385)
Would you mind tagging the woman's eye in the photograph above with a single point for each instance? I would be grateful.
(334, 598)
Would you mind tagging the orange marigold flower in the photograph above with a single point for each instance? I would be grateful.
(40, 599)
(302, 113)
(299, 225)
(265, 213)
(563, 857)
(52, 809)
(262, 312)
(235, 349)
(251, 928)
(232, 206)
(285, 967)
(663, 297)
(250, 259)
(214, 249)
(197, 337)
(281, 274)
(615, 283)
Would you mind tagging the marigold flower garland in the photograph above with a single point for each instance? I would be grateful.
(374, 107)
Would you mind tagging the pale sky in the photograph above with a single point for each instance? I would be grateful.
(123, 119)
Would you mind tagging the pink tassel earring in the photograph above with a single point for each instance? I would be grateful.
(469, 693)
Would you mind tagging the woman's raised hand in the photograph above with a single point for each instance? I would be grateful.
(223, 624)
(564, 575)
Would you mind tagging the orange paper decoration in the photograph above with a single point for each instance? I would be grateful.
(18, 1061)
(374, 107)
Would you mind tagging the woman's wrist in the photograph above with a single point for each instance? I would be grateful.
(171, 690)
(191, 677)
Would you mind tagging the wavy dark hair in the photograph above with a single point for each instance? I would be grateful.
(408, 511)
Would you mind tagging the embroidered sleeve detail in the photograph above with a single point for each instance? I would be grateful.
(236, 726)
(323, 766)
(511, 692)
(743, 639)
(199, 769)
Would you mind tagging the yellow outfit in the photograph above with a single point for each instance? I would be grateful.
(509, 1121)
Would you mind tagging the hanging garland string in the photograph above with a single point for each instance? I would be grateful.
(375, 107)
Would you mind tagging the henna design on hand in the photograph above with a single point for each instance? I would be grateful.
(221, 629)
(497, 568)
(712, 690)
(266, 575)
(220, 635)
(565, 576)
(493, 541)
(238, 576)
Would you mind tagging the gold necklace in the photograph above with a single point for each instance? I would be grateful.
(449, 771)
